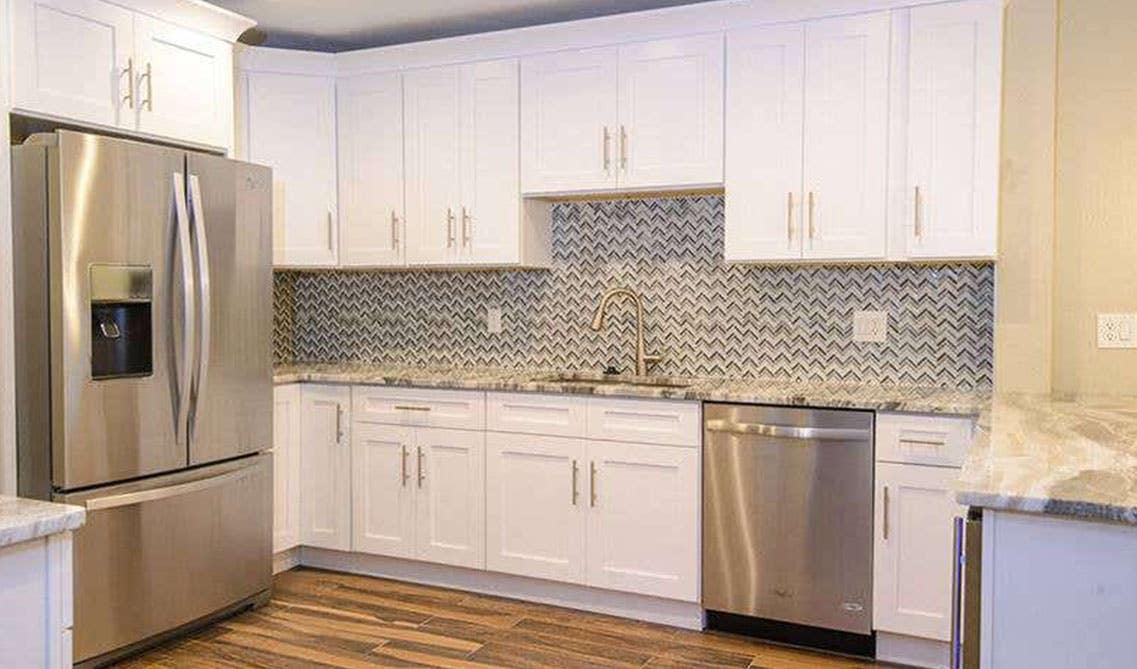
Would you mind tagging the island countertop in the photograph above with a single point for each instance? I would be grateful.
(27, 519)
(878, 397)
(1068, 456)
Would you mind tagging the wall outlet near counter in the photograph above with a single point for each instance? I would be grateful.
(493, 320)
(1117, 330)
(870, 326)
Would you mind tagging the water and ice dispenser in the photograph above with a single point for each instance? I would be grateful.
(121, 313)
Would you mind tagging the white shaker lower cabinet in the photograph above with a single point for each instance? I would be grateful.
(914, 550)
(325, 466)
(643, 519)
(37, 613)
(419, 493)
(286, 467)
(601, 511)
(536, 506)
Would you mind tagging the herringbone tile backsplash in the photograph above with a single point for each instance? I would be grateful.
(708, 318)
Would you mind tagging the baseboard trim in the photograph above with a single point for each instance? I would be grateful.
(688, 615)
(285, 560)
(912, 651)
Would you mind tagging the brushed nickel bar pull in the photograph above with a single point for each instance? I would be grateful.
(449, 227)
(575, 473)
(884, 525)
(339, 423)
(331, 232)
(623, 148)
(605, 145)
(788, 431)
(406, 477)
(128, 97)
(917, 216)
(410, 407)
(421, 475)
(394, 230)
(811, 226)
(591, 483)
(790, 216)
(465, 226)
(148, 103)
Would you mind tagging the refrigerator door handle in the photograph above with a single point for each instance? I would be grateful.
(189, 313)
(203, 278)
(166, 492)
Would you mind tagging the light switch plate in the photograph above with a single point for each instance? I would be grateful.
(870, 326)
(493, 320)
(1117, 330)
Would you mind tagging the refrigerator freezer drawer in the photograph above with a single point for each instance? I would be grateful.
(163, 552)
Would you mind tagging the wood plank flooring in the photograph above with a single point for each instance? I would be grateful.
(325, 619)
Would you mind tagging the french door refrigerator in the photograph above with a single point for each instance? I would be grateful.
(143, 293)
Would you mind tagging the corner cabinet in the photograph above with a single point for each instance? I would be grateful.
(609, 118)
(97, 63)
(290, 127)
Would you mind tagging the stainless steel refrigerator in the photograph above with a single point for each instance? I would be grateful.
(143, 294)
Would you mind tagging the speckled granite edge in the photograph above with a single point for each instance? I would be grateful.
(27, 519)
(909, 399)
(1073, 457)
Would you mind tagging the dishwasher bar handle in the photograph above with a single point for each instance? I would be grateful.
(789, 431)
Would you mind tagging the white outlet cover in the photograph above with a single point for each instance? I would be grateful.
(493, 320)
(1117, 330)
(870, 326)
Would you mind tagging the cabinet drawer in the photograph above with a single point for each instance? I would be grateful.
(463, 409)
(646, 421)
(923, 440)
(555, 415)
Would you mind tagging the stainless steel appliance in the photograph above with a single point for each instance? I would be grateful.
(787, 524)
(143, 287)
(967, 586)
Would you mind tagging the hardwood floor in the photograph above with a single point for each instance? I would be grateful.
(325, 619)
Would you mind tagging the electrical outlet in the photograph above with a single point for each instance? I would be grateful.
(1117, 330)
(870, 326)
(493, 320)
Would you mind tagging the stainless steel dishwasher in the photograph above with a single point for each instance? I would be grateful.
(788, 524)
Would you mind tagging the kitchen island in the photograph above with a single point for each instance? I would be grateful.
(1056, 479)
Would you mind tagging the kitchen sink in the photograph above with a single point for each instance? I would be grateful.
(612, 380)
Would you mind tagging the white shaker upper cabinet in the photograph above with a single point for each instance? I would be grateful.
(765, 81)
(291, 128)
(433, 172)
(73, 59)
(953, 129)
(671, 113)
(569, 121)
(370, 117)
(846, 136)
(185, 83)
(489, 225)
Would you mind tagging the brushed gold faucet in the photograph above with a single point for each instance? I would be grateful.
(643, 360)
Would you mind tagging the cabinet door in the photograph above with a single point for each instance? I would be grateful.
(370, 118)
(73, 60)
(643, 523)
(913, 556)
(433, 132)
(765, 80)
(383, 490)
(953, 129)
(536, 506)
(185, 83)
(286, 468)
(671, 113)
(291, 128)
(490, 223)
(569, 121)
(450, 496)
(846, 136)
(325, 465)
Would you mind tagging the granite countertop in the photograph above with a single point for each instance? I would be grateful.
(26, 519)
(1061, 456)
(914, 399)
